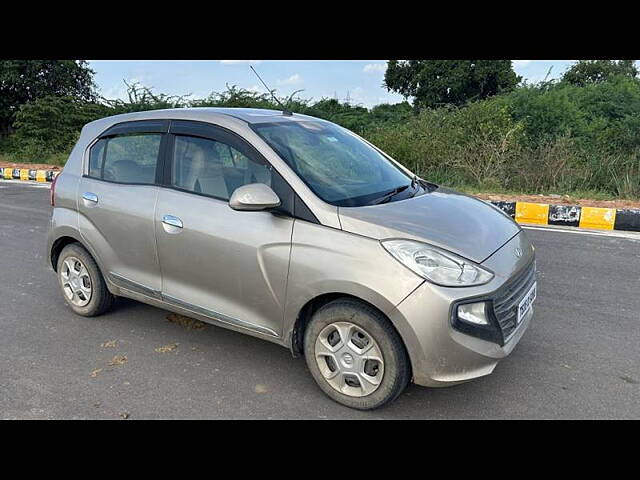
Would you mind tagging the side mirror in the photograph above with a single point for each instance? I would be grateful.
(254, 197)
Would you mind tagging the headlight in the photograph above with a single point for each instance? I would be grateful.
(436, 265)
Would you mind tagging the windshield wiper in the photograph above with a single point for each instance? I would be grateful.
(387, 196)
(415, 184)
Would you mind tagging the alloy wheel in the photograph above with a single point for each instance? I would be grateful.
(76, 282)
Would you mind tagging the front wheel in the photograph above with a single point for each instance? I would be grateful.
(355, 355)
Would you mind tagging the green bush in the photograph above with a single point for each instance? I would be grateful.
(474, 145)
(52, 125)
(546, 138)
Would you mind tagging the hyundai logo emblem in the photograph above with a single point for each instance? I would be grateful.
(518, 252)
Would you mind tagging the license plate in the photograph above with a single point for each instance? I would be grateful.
(526, 303)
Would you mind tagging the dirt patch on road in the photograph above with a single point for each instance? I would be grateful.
(559, 200)
(187, 322)
(167, 348)
(118, 360)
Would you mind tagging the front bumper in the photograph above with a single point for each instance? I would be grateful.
(443, 355)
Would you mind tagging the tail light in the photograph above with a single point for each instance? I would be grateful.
(53, 190)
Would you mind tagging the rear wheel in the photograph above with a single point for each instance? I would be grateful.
(355, 355)
(81, 282)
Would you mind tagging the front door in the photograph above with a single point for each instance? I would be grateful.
(225, 264)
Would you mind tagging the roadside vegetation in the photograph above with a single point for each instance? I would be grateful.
(471, 125)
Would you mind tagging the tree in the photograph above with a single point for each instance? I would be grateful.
(52, 124)
(584, 72)
(434, 83)
(141, 98)
(23, 81)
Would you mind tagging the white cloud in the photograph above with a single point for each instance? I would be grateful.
(521, 63)
(235, 62)
(375, 68)
(294, 79)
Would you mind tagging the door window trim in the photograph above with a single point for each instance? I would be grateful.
(217, 133)
(133, 127)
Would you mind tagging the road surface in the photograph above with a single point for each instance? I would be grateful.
(579, 359)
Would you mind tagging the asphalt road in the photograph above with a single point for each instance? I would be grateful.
(579, 359)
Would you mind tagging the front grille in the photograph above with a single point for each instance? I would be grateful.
(506, 300)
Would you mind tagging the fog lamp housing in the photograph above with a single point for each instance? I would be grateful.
(475, 313)
(476, 317)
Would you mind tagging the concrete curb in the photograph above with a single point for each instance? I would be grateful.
(627, 219)
(7, 173)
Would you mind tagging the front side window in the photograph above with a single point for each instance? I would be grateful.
(213, 168)
(338, 166)
(126, 158)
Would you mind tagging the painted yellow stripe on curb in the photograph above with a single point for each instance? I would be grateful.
(537, 213)
(24, 174)
(41, 176)
(599, 218)
(8, 173)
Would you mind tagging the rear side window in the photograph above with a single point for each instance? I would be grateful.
(126, 158)
(95, 158)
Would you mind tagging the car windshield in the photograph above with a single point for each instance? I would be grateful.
(337, 166)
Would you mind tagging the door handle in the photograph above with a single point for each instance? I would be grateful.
(171, 224)
(90, 197)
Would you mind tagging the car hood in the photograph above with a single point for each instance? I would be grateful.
(447, 219)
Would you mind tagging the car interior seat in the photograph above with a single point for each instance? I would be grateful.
(209, 174)
(126, 171)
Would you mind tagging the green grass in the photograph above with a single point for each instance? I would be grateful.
(58, 159)
(576, 194)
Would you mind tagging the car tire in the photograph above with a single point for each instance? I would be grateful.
(353, 319)
(91, 297)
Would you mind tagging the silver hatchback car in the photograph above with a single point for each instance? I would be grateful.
(295, 230)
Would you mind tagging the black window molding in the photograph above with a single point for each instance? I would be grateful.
(137, 126)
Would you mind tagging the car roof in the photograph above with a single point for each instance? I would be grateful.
(248, 115)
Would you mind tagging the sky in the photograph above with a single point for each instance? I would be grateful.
(358, 81)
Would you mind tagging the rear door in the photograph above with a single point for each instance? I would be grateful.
(225, 264)
(116, 203)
